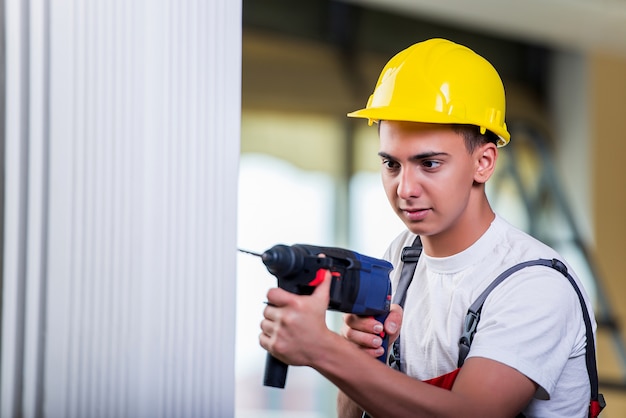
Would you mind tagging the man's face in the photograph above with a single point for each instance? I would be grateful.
(428, 175)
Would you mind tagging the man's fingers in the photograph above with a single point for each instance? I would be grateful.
(394, 322)
(363, 323)
(278, 297)
(363, 339)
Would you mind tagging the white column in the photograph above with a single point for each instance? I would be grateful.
(570, 109)
(121, 161)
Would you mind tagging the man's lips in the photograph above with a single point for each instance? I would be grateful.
(415, 214)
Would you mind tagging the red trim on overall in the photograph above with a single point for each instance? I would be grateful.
(445, 381)
(596, 406)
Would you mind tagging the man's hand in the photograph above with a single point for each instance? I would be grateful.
(294, 327)
(365, 331)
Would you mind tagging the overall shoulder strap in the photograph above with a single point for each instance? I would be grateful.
(474, 311)
(410, 257)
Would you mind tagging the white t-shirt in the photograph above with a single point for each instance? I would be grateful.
(532, 321)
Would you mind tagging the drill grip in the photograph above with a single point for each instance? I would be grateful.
(381, 318)
(275, 372)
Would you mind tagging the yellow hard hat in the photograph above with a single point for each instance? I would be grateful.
(439, 81)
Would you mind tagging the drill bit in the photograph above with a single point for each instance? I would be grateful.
(250, 252)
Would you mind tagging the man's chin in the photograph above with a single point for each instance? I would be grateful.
(418, 228)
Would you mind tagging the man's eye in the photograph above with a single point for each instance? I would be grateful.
(390, 164)
(431, 164)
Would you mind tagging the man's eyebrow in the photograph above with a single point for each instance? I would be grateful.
(422, 156)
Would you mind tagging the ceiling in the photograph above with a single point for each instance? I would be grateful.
(324, 56)
(585, 25)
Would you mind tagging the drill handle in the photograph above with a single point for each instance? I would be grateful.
(275, 372)
(381, 318)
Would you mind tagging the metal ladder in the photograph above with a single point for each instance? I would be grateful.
(541, 192)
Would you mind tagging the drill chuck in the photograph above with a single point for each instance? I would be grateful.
(283, 261)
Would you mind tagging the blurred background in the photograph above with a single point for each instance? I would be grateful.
(308, 174)
(143, 141)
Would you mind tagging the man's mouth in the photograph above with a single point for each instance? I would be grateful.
(415, 214)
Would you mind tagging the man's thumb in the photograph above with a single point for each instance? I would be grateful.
(322, 282)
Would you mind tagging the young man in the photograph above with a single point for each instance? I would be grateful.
(440, 111)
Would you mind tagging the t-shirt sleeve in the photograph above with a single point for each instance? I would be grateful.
(533, 323)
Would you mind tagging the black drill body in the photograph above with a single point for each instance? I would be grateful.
(360, 285)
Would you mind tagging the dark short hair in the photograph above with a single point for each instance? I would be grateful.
(472, 136)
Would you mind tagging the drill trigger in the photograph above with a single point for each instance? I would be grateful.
(319, 277)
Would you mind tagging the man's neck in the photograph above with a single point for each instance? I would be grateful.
(460, 236)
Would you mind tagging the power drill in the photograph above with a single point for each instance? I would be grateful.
(360, 285)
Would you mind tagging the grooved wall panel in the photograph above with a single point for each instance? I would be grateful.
(125, 171)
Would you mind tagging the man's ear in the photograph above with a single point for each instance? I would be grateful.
(486, 156)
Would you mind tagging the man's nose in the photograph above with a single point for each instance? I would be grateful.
(409, 186)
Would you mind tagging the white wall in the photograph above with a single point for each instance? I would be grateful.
(122, 147)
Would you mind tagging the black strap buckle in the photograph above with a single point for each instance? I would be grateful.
(411, 254)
